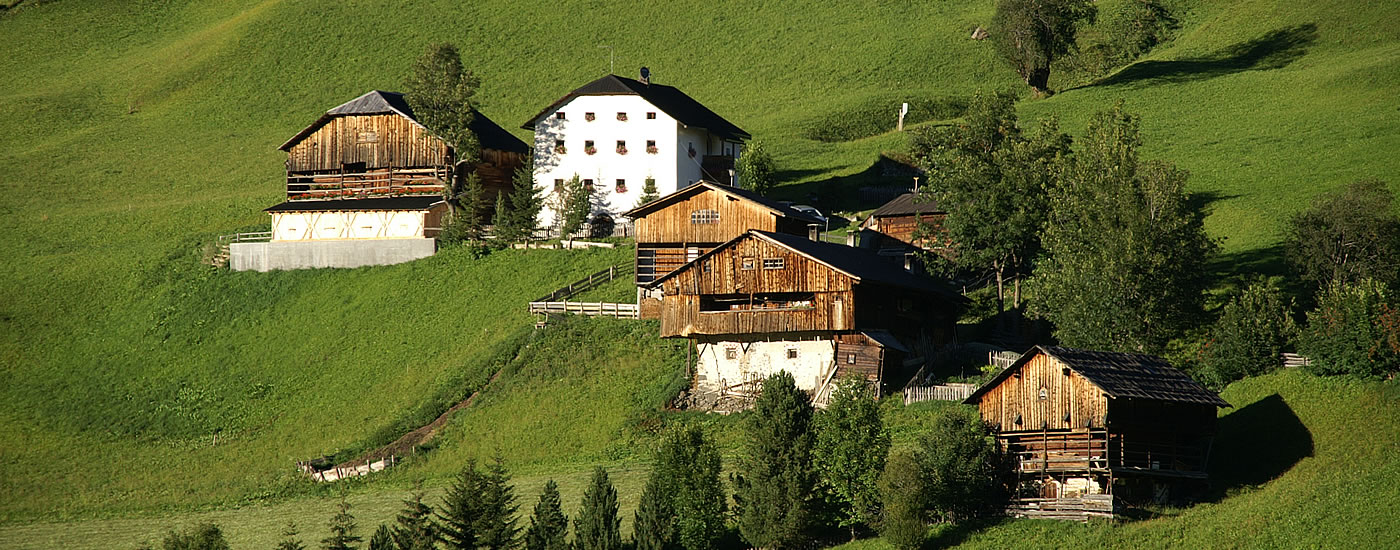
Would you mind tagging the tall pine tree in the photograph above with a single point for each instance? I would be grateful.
(776, 486)
(495, 527)
(461, 509)
(414, 529)
(548, 526)
(525, 204)
(654, 523)
(598, 526)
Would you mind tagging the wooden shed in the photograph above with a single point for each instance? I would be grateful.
(895, 224)
(373, 146)
(679, 227)
(1091, 430)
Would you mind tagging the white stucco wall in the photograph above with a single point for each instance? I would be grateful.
(606, 166)
(343, 225)
(758, 360)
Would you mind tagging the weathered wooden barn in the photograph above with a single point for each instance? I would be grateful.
(374, 146)
(764, 302)
(894, 226)
(1088, 431)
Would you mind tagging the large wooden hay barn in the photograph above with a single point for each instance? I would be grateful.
(765, 302)
(1088, 431)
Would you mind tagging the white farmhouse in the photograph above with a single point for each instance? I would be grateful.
(614, 133)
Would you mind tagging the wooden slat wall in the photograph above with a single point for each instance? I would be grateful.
(867, 356)
(1071, 393)
(399, 143)
(672, 223)
(902, 228)
(681, 306)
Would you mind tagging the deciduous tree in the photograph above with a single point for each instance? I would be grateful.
(962, 468)
(1346, 236)
(851, 446)
(1254, 328)
(1031, 34)
(1355, 330)
(1125, 252)
(903, 519)
(687, 474)
(441, 93)
(755, 168)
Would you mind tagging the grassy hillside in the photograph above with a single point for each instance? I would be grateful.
(132, 134)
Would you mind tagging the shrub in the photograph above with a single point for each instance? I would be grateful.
(1355, 330)
(1254, 328)
(205, 536)
(903, 520)
(963, 469)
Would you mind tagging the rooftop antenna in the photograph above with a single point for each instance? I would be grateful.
(610, 58)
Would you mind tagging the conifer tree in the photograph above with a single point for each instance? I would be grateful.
(850, 452)
(654, 523)
(495, 527)
(342, 526)
(776, 485)
(289, 538)
(461, 508)
(598, 526)
(548, 526)
(649, 192)
(414, 529)
(525, 203)
(500, 224)
(688, 468)
(383, 539)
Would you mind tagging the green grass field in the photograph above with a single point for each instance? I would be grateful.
(144, 387)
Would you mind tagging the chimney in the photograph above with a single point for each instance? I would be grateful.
(646, 75)
(814, 232)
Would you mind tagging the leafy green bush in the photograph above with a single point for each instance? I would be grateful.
(903, 520)
(205, 536)
(1355, 330)
(877, 116)
(963, 469)
(1254, 328)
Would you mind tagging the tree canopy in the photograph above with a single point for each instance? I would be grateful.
(850, 451)
(775, 490)
(1031, 34)
(441, 93)
(598, 526)
(755, 168)
(1346, 236)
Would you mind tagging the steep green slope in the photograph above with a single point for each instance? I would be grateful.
(131, 134)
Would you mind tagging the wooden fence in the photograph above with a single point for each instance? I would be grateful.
(338, 473)
(945, 392)
(591, 309)
(1072, 508)
(1002, 359)
(1292, 360)
(593, 280)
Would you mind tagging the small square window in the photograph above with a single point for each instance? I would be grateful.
(559, 115)
(558, 185)
(731, 353)
(651, 115)
(589, 117)
(850, 358)
(746, 264)
(792, 353)
(651, 143)
(622, 116)
(772, 263)
(621, 144)
(621, 186)
(588, 184)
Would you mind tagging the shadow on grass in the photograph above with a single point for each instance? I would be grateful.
(1256, 444)
(948, 536)
(1273, 50)
(885, 179)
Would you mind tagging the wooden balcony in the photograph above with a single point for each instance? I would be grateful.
(372, 183)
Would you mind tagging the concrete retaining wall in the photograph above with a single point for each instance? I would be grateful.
(310, 254)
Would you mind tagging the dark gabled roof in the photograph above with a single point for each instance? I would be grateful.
(701, 186)
(863, 265)
(905, 205)
(377, 102)
(670, 100)
(380, 203)
(1120, 375)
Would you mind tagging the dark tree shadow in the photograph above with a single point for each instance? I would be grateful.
(952, 535)
(1256, 444)
(885, 179)
(1273, 50)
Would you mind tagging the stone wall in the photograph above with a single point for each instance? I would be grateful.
(271, 256)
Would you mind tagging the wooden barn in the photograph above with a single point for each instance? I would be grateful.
(894, 226)
(766, 301)
(1088, 431)
(373, 146)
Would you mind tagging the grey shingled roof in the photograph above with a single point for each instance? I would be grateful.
(1120, 375)
(379, 203)
(378, 102)
(905, 205)
(779, 208)
(670, 100)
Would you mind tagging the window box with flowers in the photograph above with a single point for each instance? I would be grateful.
(621, 147)
(560, 149)
(588, 148)
(589, 117)
(651, 147)
(622, 117)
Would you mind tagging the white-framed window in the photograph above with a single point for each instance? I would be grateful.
(704, 217)
(773, 263)
(850, 358)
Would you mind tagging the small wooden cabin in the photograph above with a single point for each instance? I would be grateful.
(766, 301)
(895, 224)
(373, 146)
(1091, 430)
(679, 227)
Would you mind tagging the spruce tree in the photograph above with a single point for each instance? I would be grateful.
(289, 538)
(414, 529)
(654, 523)
(383, 539)
(461, 508)
(598, 526)
(850, 452)
(342, 526)
(548, 526)
(573, 204)
(495, 527)
(776, 485)
(525, 203)
(500, 224)
(688, 467)
(649, 193)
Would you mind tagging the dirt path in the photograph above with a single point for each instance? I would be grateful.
(404, 446)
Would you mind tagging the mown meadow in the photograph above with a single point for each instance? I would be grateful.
(143, 384)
